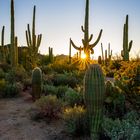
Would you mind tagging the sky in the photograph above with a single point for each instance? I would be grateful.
(60, 20)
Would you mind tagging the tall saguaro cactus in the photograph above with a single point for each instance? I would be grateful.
(70, 53)
(50, 54)
(33, 41)
(87, 47)
(2, 50)
(13, 47)
(126, 46)
(94, 90)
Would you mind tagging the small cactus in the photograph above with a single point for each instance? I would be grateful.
(36, 83)
(94, 90)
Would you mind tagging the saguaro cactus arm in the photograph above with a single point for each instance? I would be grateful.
(97, 40)
(77, 48)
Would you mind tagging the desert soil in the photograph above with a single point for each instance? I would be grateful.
(16, 122)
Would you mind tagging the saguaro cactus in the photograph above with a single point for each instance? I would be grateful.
(87, 48)
(126, 46)
(33, 41)
(70, 53)
(50, 54)
(94, 90)
(13, 47)
(2, 49)
(108, 54)
(36, 83)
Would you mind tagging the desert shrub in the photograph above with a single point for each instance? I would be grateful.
(26, 83)
(12, 90)
(114, 101)
(2, 73)
(5, 67)
(11, 77)
(49, 89)
(60, 65)
(48, 78)
(16, 74)
(127, 80)
(125, 129)
(2, 86)
(76, 120)
(108, 71)
(46, 69)
(72, 97)
(64, 79)
(61, 91)
(49, 106)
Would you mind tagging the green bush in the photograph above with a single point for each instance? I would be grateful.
(76, 121)
(49, 89)
(72, 97)
(17, 74)
(2, 86)
(12, 90)
(49, 106)
(126, 129)
(65, 79)
(114, 101)
(127, 79)
(26, 83)
(61, 91)
(2, 73)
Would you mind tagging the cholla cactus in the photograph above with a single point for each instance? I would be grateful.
(94, 90)
(36, 83)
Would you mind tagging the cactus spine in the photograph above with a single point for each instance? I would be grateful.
(126, 46)
(36, 83)
(94, 90)
(87, 48)
(13, 48)
(33, 41)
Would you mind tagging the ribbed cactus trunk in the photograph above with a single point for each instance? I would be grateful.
(36, 83)
(126, 46)
(13, 47)
(70, 52)
(50, 54)
(2, 47)
(94, 90)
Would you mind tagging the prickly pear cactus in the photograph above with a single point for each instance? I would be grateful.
(36, 83)
(94, 90)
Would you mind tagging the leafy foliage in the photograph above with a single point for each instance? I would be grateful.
(126, 129)
(76, 120)
(49, 107)
(72, 98)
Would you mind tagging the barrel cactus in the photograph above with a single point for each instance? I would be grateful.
(36, 83)
(94, 92)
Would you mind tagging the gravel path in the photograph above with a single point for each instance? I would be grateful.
(16, 122)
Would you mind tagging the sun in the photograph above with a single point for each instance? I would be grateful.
(83, 55)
